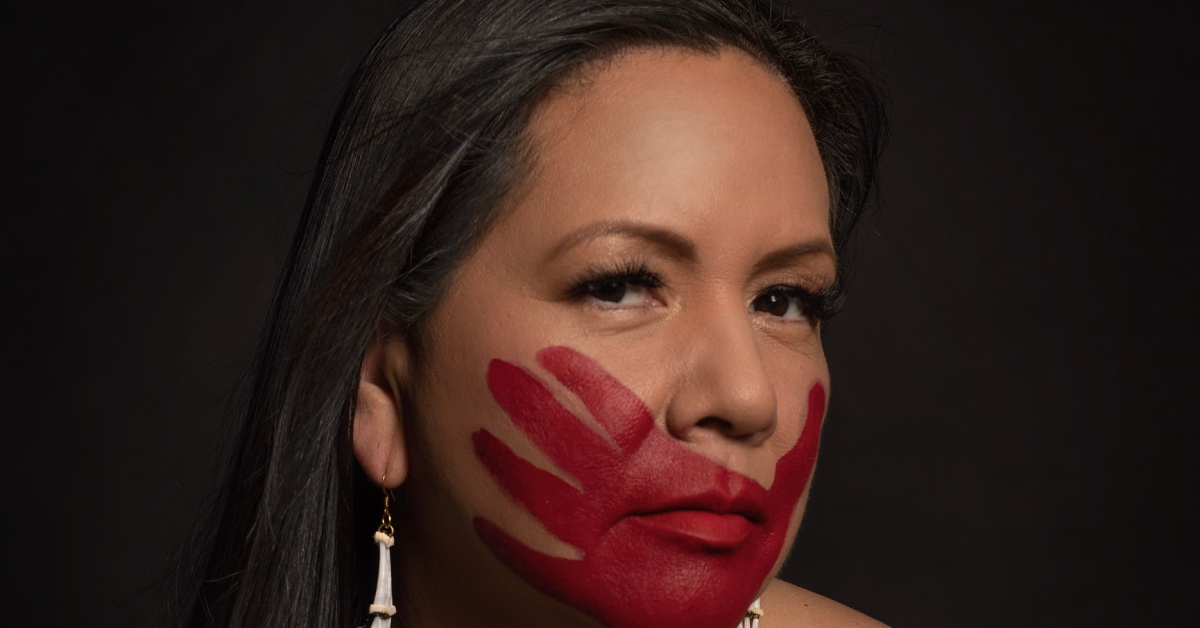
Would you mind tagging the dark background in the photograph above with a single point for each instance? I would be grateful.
(1014, 420)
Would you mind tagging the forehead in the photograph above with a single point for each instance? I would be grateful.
(695, 142)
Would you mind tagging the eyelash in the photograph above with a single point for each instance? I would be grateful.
(631, 272)
(821, 304)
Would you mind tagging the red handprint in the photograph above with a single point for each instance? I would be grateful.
(669, 538)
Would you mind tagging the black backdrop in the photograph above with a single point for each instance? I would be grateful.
(1013, 423)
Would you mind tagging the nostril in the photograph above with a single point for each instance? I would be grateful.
(714, 423)
(721, 426)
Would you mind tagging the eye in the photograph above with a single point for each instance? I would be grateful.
(618, 292)
(630, 284)
(781, 302)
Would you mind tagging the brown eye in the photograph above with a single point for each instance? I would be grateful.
(618, 293)
(629, 286)
(779, 303)
(610, 291)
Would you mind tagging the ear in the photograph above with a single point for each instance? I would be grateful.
(378, 431)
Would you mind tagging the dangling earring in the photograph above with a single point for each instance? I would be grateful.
(753, 614)
(385, 537)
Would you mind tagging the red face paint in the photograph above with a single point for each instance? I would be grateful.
(669, 538)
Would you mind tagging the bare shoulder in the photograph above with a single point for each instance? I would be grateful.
(785, 604)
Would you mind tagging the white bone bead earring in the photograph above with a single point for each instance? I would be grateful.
(753, 614)
(382, 608)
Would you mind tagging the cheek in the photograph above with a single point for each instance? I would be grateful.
(799, 376)
(660, 530)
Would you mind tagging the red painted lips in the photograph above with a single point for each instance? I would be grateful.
(667, 535)
(712, 521)
(700, 530)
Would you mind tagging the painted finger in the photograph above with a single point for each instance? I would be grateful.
(610, 402)
(550, 500)
(572, 444)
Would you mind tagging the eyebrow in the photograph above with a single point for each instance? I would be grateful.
(787, 256)
(674, 244)
(681, 248)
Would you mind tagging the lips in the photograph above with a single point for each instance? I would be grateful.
(711, 521)
(699, 530)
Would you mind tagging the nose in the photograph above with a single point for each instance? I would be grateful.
(725, 388)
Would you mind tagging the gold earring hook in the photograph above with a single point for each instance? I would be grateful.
(385, 525)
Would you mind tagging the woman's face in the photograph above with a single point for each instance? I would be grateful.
(618, 403)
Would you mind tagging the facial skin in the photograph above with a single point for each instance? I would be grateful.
(663, 531)
(668, 239)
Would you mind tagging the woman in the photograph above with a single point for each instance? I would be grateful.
(558, 284)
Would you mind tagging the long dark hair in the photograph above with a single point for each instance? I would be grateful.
(425, 143)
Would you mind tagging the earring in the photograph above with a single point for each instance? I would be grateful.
(753, 614)
(385, 537)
